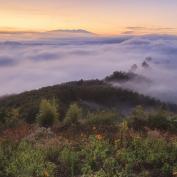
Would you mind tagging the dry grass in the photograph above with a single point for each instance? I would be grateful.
(17, 133)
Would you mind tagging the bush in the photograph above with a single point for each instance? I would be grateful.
(27, 161)
(95, 154)
(73, 115)
(66, 159)
(48, 113)
(102, 118)
(6, 152)
(12, 118)
(71, 159)
(138, 118)
(163, 121)
(153, 156)
(160, 120)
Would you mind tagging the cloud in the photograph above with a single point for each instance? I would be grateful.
(45, 57)
(30, 63)
(148, 30)
(6, 61)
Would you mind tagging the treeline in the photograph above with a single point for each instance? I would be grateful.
(94, 91)
(119, 76)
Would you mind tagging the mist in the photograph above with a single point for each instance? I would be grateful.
(30, 61)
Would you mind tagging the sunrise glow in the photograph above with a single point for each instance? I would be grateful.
(99, 16)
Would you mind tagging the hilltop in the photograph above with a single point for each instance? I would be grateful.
(94, 94)
(87, 128)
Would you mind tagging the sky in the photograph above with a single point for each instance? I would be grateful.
(98, 16)
(32, 60)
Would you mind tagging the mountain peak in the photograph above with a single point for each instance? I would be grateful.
(72, 31)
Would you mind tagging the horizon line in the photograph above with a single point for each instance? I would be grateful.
(133, 30)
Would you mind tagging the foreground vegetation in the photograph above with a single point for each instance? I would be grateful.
(89, 144)
(87, 129)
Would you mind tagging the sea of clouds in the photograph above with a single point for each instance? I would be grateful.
(30, 61)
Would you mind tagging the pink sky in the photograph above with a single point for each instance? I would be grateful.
(99, 16)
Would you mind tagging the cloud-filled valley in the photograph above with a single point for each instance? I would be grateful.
(28, 63)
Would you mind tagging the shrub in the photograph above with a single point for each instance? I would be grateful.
(138, 118)
(67, 161)
(71, 159)
(160, 120)
(163, 121)
(48, 113)
(153, 156)
(102, 118)
(12, 118)
(28, 161)
(6, 151)
(73, 115)
(95, 153)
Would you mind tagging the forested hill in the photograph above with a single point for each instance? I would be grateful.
(87, 128)
(93, 94)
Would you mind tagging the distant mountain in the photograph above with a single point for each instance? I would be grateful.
(72, 31)
(58, 30)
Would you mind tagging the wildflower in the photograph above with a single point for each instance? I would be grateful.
(99, 137)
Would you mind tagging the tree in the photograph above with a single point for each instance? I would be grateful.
(138, 119)
(12, 118)
(48, 113)
(73, 114)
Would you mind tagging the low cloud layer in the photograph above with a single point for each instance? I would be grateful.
(32, 62)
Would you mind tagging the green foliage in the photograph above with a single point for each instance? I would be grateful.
(28, 161)
(155, 156)
(128, 153)
(138, 118)
(52, 154)
(102, 118)
(160, 120)
(124, 134)
(6, 151)
(70, 159)
(73, 115)
(163, 121)
(12, 118)
(96, 91)
(24, 160)
(48, 113)
(125, 157)
(66, 159)
(140, 157)
(95, 154)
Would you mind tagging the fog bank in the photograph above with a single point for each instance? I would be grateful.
(29, 61)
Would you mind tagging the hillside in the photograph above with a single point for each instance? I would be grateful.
(91, 92)
(87, 129)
